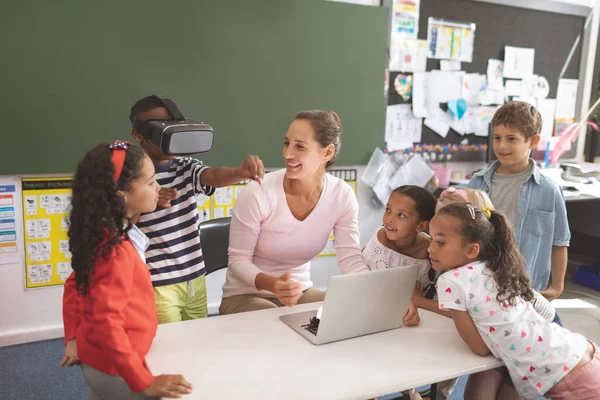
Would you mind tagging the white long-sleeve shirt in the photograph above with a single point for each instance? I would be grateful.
(266, 237)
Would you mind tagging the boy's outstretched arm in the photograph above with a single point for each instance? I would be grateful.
(559, 270)
(251, 168)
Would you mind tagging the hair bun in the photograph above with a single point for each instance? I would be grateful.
(336, 117)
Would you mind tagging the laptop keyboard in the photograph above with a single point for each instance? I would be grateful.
(313, 326)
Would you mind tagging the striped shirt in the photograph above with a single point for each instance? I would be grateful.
(174, 254)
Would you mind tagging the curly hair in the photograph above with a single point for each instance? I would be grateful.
(498, 248)
(98, 212)
(424, 200)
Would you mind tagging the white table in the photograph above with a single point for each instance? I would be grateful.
(256, 356)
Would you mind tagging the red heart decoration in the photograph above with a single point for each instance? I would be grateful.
(470, 267)
(448, 290)
(524, 378)
(492, 329)
(531, 369)
(523, 334)
(540, 339)
(538, 385)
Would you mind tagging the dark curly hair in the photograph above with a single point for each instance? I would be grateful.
(97, 210)
(424, 200)
(498, 248)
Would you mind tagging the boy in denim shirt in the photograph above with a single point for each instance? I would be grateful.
(533, 203)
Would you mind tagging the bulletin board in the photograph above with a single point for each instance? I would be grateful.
(46, 202)
(552, 35)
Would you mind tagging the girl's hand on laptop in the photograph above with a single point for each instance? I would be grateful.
(165, 195)
(287, 291)
(70, 357)
(412, 316)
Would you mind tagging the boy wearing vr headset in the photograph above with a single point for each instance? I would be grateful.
(174, 255)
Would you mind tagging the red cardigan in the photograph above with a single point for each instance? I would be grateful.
(115, 323)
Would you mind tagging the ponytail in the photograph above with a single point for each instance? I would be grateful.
(503, 257)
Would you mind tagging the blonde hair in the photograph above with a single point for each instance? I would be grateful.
(474, 196)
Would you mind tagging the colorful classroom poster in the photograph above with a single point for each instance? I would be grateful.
(46, 202)
(450, 40)
(348, 175)
(405, 19)
(224, 199)
(10, 227)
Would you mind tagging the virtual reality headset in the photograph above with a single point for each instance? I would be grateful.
(175, 136)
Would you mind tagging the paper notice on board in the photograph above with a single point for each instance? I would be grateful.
(518, 62)
(472, 85)
(405, 19)
(419, 96)
(491, 97)
(566, 98)
(450, 40)
(402, 128)
(547, 109)
(450, 65)
(11, 225)
(439, 127)
(443, 87)
(408, 55)
(513, 88)
(495, 69)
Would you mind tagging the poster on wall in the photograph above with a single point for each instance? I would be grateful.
(11, 233)
(405, 19)
(46, 203)
(450, 40)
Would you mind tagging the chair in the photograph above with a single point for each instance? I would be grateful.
(214, 239)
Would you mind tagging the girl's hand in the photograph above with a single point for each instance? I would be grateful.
(170, 386)
(412, 316)
(417, 296)
(70, 357)
(287, 291)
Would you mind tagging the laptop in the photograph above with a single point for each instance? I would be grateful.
(357, 305)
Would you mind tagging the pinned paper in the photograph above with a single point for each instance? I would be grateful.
(419, 102)
(402, 128)
(513, 88)
(566, 97)
(450, 40)
(472, 85)
(495, 69)
(457, 108)
(547, 109)
(403, 86)
(408, 55)
(439, 127)
(450, 65)
(443, 87)
(518, 62)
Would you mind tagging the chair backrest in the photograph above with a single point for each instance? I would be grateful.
(214, 239)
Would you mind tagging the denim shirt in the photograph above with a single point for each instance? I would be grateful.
(541, 220)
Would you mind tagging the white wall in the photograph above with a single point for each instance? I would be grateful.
(30, 315)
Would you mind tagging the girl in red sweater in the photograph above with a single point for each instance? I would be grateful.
(108, 304)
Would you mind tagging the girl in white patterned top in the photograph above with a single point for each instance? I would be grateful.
(402, 241)
(485, 287)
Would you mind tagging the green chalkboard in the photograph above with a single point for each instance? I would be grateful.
(71, 71)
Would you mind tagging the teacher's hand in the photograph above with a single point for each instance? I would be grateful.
(287, 291)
